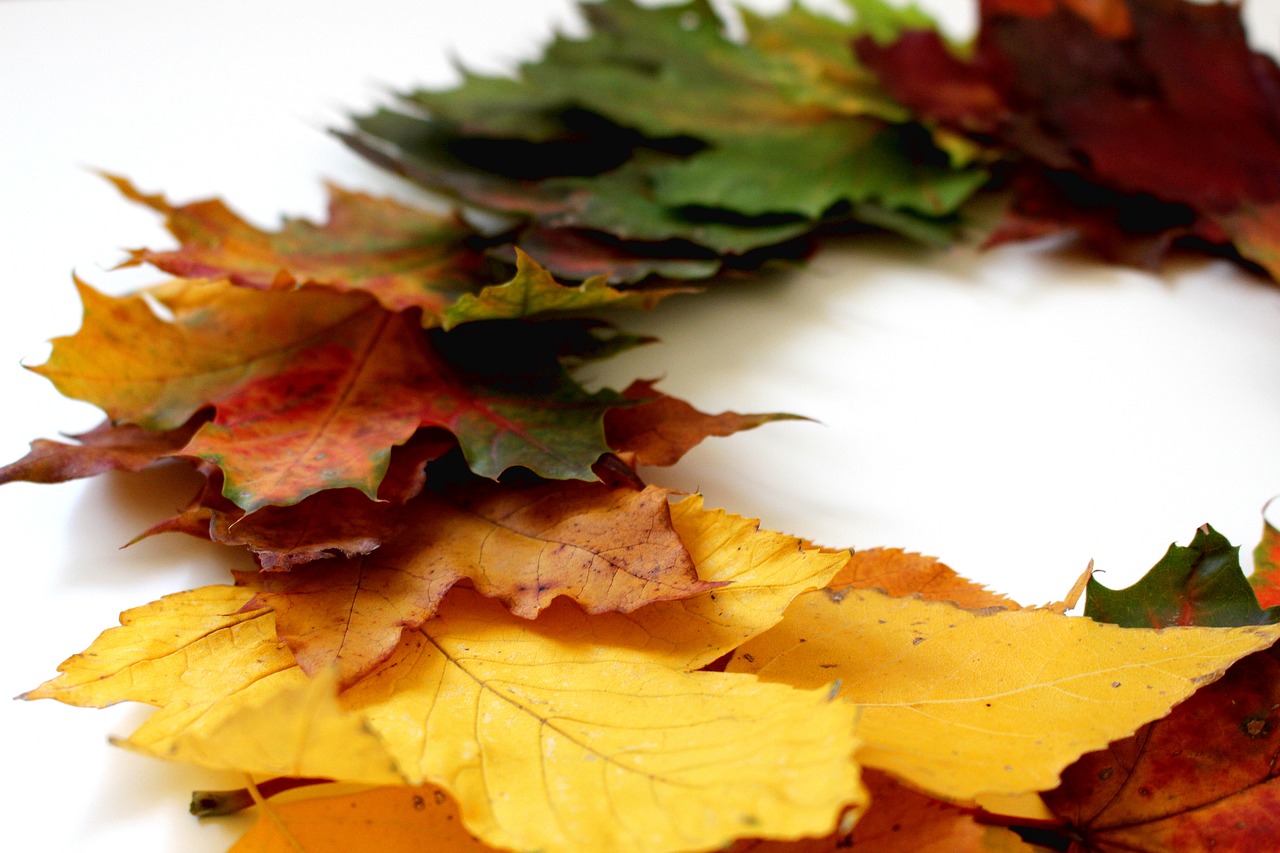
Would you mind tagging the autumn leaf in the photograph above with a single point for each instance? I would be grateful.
(1201, 779)
(329, 523)
(313, 389)
(661, 429)
(534, 291)
(1145, 118)
(900, 820)
(1201, 584)
(656, 130)
(542, 747)
(1265, 579)
(606, 548)
(388, 819)
(901, 573)
(406, 258)
(960, 703)
(750, 576)
(106, 447)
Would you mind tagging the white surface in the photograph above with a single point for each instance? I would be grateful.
(1016, 413)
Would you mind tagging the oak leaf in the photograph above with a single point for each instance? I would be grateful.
(544, 742)
(961, 703)
(1200, 584)
(1204, 778)
(606, 548)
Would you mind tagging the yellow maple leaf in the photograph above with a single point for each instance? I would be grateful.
(963, 703)
(545, 746)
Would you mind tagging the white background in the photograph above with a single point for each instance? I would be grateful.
(1015, 413)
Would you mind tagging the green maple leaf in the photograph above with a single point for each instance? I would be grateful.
(670, 141)
(1200, 584)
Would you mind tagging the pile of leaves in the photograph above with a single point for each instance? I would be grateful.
(476, 624)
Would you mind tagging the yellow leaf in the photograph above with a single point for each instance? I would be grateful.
(962, 703)
(546, 743)
(298, 731)
(388, 820)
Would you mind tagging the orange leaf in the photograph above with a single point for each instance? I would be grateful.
(661, 429)
(406, 258)
(609, 549)
(901, 573)
(389, 820)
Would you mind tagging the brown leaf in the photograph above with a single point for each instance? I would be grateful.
(661, 429)
(329, 523)
(106, 447)
(1203, 778)
(608, 549)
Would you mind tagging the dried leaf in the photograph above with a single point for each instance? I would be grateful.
(960, 703)
(106, 447)
(661, 429)
(543, 748)
(900, 573)
(606, 548)
(1265, 579)
(899, 820)
(312, 389)
(1201, 584)
(390, 820)
(1202, 779)
(406, 258)
(1149, 116)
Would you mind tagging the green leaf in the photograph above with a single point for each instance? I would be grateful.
(1201, 584)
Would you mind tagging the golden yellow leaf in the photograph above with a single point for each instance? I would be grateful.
(298, 731)
(961, 703)
(547, 743)
(388, 820)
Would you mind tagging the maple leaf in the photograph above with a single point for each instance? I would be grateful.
(1201, 584)
(606, 548)
(405, 257)
(961, 703)
(389, 819)
(312, 389)
(328, 523)
(1265, 579)
(656, 135)
(1146, 117)
(901, 573)
(544, 742)
(749, 576)
(107, 447)
(661, 428)
(1203, 778)
(900, 820)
